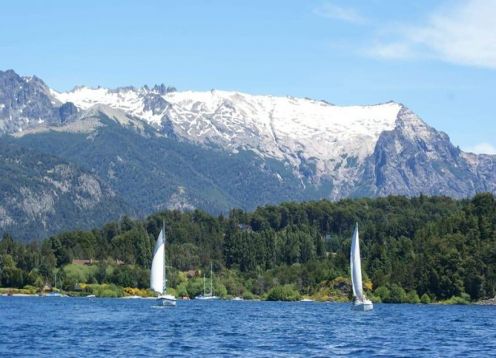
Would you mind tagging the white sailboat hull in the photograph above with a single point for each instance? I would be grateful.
(362, 306)
(167, 300)
(201, 297)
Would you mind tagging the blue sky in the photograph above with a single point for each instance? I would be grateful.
(436, 57)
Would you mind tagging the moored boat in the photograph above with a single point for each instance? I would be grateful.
(210, 295)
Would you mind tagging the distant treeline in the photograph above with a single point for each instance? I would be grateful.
(435, 247)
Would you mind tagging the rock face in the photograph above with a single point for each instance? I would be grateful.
(157, 148)
(491, 301)
(67, 112)
(415, 159)
(40, 194)
(26, 102)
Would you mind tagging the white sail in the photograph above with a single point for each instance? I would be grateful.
(157, 272)
(356, 268)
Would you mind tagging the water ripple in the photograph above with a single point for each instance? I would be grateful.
(73, 327)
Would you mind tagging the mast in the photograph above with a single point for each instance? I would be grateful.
(164, 290)
(211, 290)
(204, 284)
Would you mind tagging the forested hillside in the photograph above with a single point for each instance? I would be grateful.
(431, 247)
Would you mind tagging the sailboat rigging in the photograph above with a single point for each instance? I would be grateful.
(210, 295)
(158, 274)
(360, 302)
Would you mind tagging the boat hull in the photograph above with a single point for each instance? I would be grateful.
(206, 297)
(167, 300)
(362, 306)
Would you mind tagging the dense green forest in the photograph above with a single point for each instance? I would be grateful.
(421, 248)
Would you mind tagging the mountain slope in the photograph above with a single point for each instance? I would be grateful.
(291, 129)
(41, 194)
(152, 172)
(344, 146)
(157, 148)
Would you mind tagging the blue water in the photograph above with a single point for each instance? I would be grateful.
(72, 327)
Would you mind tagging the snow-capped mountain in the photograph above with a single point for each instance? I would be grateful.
(316, 138)
(279, 127)
(221, 149)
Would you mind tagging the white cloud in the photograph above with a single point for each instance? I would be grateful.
(333, 11)
(482, 148)
(393, 50)
(463, 33)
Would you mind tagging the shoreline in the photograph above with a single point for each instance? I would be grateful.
(486, 302)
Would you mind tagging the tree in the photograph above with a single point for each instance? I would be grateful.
(425, 299)
(397, 294)
(283, 293)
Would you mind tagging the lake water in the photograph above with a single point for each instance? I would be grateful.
(70, 327)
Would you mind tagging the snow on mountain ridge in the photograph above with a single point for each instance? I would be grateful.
(128, 99)
(294, 129)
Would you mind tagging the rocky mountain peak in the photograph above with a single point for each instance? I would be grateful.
(358, 150)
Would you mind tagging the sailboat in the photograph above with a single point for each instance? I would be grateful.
(360, 302)
(210, 295)
(158, 278)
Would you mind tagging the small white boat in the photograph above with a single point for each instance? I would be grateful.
(206, 297)
(167, 300)
(307, 300)
(53, 294)
(360, 302)
(210, 295)
(237, 299)
(158, 277)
